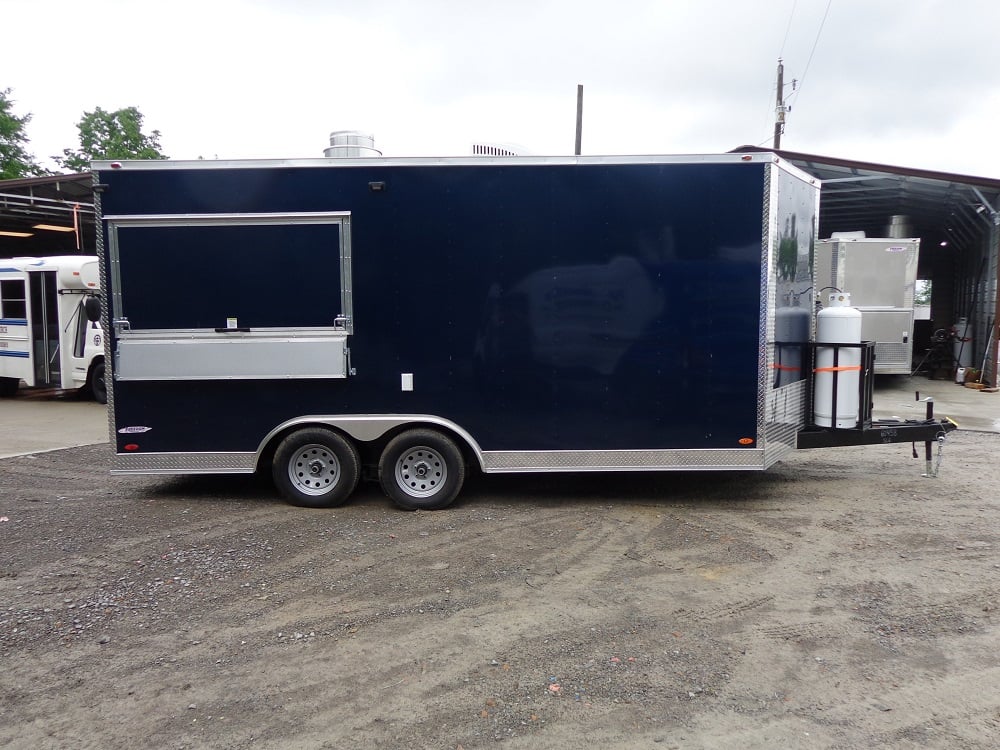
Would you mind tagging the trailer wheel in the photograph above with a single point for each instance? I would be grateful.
(316, 468)
(421, 470)
(8, 387)
(98, 386)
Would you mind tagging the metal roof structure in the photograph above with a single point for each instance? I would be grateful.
(959, 210)
(862, 196)
(65, 200)
(956, 217)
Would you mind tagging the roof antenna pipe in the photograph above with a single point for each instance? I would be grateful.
(579, 118)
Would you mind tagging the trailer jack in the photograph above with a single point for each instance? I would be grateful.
(868, 431)
(933, 467)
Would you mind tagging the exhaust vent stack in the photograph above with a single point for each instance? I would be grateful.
(899, 227)
(350, 144)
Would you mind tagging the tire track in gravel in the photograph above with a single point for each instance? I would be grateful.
(491, 635)
(492, 631)
(183, 658)
(701, 622)
(904, 718)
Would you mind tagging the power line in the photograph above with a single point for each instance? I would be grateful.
(813, 50)
(787, 29)
(781, 54)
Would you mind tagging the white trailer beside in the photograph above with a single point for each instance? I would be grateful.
(50, 334)
(881, 276)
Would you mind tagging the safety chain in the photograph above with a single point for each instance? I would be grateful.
(932, 473)
(940, 452)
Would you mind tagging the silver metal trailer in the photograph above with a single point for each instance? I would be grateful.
(881, 276)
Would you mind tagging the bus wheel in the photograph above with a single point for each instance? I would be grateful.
(421, 470)
(316, 468)
(8, 387)
(98, 386)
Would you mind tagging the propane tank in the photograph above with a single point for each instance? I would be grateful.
(963, 343)
(838, 370)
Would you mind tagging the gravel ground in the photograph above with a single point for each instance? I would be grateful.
(839, 600)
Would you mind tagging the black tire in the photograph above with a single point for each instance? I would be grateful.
(421, 470)
(96, 383)
(316, 468)
(8, 387)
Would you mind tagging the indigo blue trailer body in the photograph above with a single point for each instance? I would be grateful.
(421, 316)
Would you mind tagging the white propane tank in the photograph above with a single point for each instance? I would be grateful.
(963, 343)
(838, 323)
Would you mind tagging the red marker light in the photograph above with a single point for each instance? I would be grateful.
(132, 447)
(116, 165)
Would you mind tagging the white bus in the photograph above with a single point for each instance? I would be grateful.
(50, 334)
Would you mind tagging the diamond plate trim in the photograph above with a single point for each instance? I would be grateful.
(183, 463)
(765, 332)
(649, 460)
(105, 312)
(785, 407)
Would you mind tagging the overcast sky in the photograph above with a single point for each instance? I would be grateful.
(906, 82)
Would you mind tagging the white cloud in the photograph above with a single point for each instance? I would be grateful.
(912, 84)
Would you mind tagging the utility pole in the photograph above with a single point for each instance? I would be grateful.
(779, 109)
(579, 118)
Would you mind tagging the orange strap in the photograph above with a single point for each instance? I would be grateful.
(842, 368)
(785, 367)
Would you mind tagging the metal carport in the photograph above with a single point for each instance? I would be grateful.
(62, 205)
(956, 217)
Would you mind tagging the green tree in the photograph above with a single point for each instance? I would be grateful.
(111, 135)
(15, 161)
(923, 292)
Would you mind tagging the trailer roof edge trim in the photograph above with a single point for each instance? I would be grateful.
(422, 161)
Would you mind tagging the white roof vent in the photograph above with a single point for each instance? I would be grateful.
(350, 144)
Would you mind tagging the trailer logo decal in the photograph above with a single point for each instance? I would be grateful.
(133, 430)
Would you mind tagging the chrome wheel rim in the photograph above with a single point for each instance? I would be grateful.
(421, 472)
(314, 469)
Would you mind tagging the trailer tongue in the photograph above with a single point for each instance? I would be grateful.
(865, 430)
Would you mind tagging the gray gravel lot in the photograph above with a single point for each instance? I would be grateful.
(839, 600)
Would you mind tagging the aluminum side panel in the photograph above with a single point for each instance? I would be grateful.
(788, 291)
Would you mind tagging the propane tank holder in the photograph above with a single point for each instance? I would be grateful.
(865, 431)
(865, 383)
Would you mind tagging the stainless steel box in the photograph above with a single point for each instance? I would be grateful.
(880, 274)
